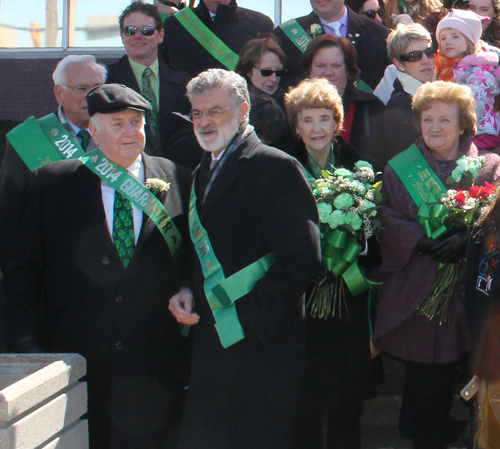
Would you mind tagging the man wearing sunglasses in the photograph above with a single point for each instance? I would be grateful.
(228, 27)
(59, 135)
(333, 17)
(168, 135)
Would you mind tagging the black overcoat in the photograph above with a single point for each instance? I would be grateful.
(177, 141)
(366, 35)
(233, 25)
(246, 396)
(69, 289)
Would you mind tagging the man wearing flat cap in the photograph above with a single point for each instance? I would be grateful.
(103, 242)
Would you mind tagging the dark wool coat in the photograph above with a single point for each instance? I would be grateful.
(245, 396)
(176, 141)
(338, 369)
(366, 132)
(15, 179)
(69, 290)
(366, 35)
(400, 329)
(233, 25)
(399, 129)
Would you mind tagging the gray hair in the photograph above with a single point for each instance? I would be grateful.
(213, 78)
(59, 75)
(400, 38)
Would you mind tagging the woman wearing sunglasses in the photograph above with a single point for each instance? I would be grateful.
(411, 51)
(262, 63)
(367, 8)
(334, 58)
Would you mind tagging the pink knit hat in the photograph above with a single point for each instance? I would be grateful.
(467, 22)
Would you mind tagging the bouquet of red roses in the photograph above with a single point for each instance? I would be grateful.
(456, 209)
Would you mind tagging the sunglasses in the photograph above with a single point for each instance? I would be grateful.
(145, 30)
(269, 72)
(372, 13)
(416, 55)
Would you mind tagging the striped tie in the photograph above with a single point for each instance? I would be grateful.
(148, 94)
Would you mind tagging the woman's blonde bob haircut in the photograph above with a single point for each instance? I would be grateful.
(399, 39)
(451, 93)
(314, 94)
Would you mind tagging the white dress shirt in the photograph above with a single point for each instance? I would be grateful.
(108, 198)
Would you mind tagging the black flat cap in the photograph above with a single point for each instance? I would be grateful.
(109, 98)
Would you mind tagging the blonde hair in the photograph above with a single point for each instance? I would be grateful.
(399, 39)
(451, 93)
(314, 94)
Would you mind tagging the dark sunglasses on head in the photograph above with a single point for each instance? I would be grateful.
(372, 13)
(130, 30)
(269, 72)
(416, 55)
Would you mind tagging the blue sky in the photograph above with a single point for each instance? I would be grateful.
(35, 10)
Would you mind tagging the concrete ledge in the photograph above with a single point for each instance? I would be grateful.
(74, 437)
(30, 379)
(43, 423)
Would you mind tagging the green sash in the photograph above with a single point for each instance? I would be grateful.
(296, 34)
(222, 292)
(206, 38)
(131, 188)
(39, 142)
(417, 176)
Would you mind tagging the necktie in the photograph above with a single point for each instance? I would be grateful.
(333, 28)
(148, 94)
(85, 136)
(123, 228)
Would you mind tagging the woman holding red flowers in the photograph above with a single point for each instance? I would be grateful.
(410, 259)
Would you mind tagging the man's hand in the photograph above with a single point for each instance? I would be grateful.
(181, 304)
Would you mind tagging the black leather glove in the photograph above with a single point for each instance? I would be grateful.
(427, 245)
(323, 277)
(453, 248)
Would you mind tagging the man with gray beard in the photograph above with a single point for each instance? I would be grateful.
(254, 227)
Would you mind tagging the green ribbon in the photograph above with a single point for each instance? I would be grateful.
(206, 38)
(340, 252)
(40, 142)
(131, 188)
(430, 216)
(222, 292)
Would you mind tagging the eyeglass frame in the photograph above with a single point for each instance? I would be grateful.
(127, 28)
(211, 113)
(373, 12)
(282, 72)
(417, 55)
(78, 89)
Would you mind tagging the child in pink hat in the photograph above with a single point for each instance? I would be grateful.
(462, 58)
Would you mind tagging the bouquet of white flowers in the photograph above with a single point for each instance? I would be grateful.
(347, 204)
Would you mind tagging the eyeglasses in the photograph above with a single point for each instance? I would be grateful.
(372, 13)
(145, 30)
(416, 55)
(269, 72)
(211, 113)
(82, 91)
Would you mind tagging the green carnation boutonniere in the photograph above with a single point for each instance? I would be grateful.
(316, 30)
(157, 185)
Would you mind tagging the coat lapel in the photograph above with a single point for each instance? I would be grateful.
(355, 30)
(229, 172)
(87, 193)
(152, 170)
